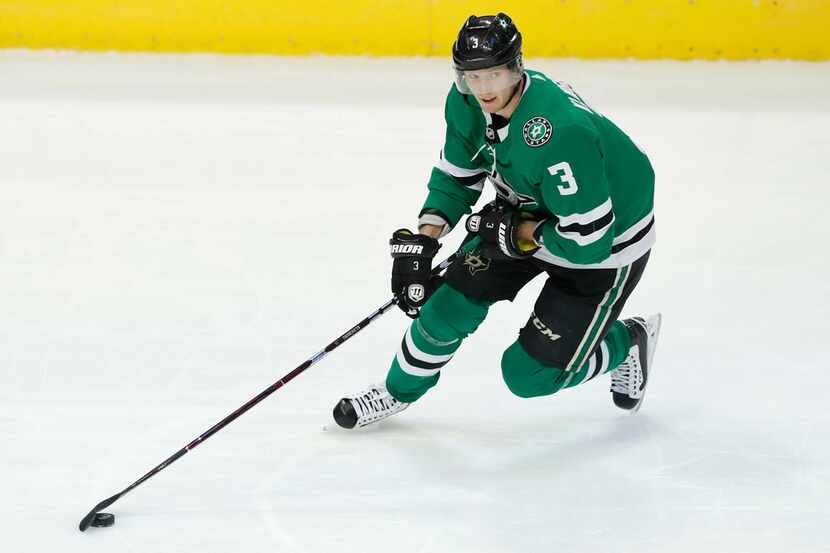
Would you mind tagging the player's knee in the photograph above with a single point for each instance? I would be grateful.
(545, 345)
(449, 315)
(526, 376)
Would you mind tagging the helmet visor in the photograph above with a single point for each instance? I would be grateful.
(487, 81)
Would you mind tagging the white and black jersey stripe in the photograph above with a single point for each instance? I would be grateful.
(633, 235)
(587, 228)
(626, 248)
(468, 178)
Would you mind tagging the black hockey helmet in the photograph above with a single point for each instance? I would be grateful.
(487, 41)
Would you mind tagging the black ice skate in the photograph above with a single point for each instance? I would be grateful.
(366, 407)
(629, 380)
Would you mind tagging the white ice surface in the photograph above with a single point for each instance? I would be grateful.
(157, 270)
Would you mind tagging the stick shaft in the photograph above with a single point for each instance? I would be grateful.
(85, 522)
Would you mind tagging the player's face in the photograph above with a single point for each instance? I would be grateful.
(492, 87)
(492, 102)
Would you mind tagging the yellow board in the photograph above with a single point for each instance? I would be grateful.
(646, 29)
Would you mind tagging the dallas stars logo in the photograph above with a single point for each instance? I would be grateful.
(537, 131)
(475, 262)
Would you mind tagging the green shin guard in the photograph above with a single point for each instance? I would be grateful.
(527, 377)
(430, 342)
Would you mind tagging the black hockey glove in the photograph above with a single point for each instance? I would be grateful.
(412, 281)
(497, 226)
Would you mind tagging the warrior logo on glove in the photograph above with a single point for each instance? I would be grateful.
(416, 293)
(407, 248)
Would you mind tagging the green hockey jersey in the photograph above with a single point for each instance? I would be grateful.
(556, 158)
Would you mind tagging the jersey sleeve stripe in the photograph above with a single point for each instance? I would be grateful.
(585, 235)
(476, 182)
(626, 255)
(588, 217)
(456, 171)
(590, 228)
(619, 246)
(635, 228)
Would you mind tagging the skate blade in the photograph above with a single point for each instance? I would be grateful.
(651, 352)
(335, 428)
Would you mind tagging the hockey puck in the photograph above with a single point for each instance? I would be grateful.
(102, 520)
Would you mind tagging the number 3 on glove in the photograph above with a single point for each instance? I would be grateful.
(497, 226)
(412, 280)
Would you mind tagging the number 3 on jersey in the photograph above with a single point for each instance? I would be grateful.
(566, 176)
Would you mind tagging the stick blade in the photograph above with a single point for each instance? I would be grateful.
(87, 520)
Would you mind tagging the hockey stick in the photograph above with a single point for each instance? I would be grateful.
(104, 519)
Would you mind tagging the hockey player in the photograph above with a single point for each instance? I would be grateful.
(574, 200)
